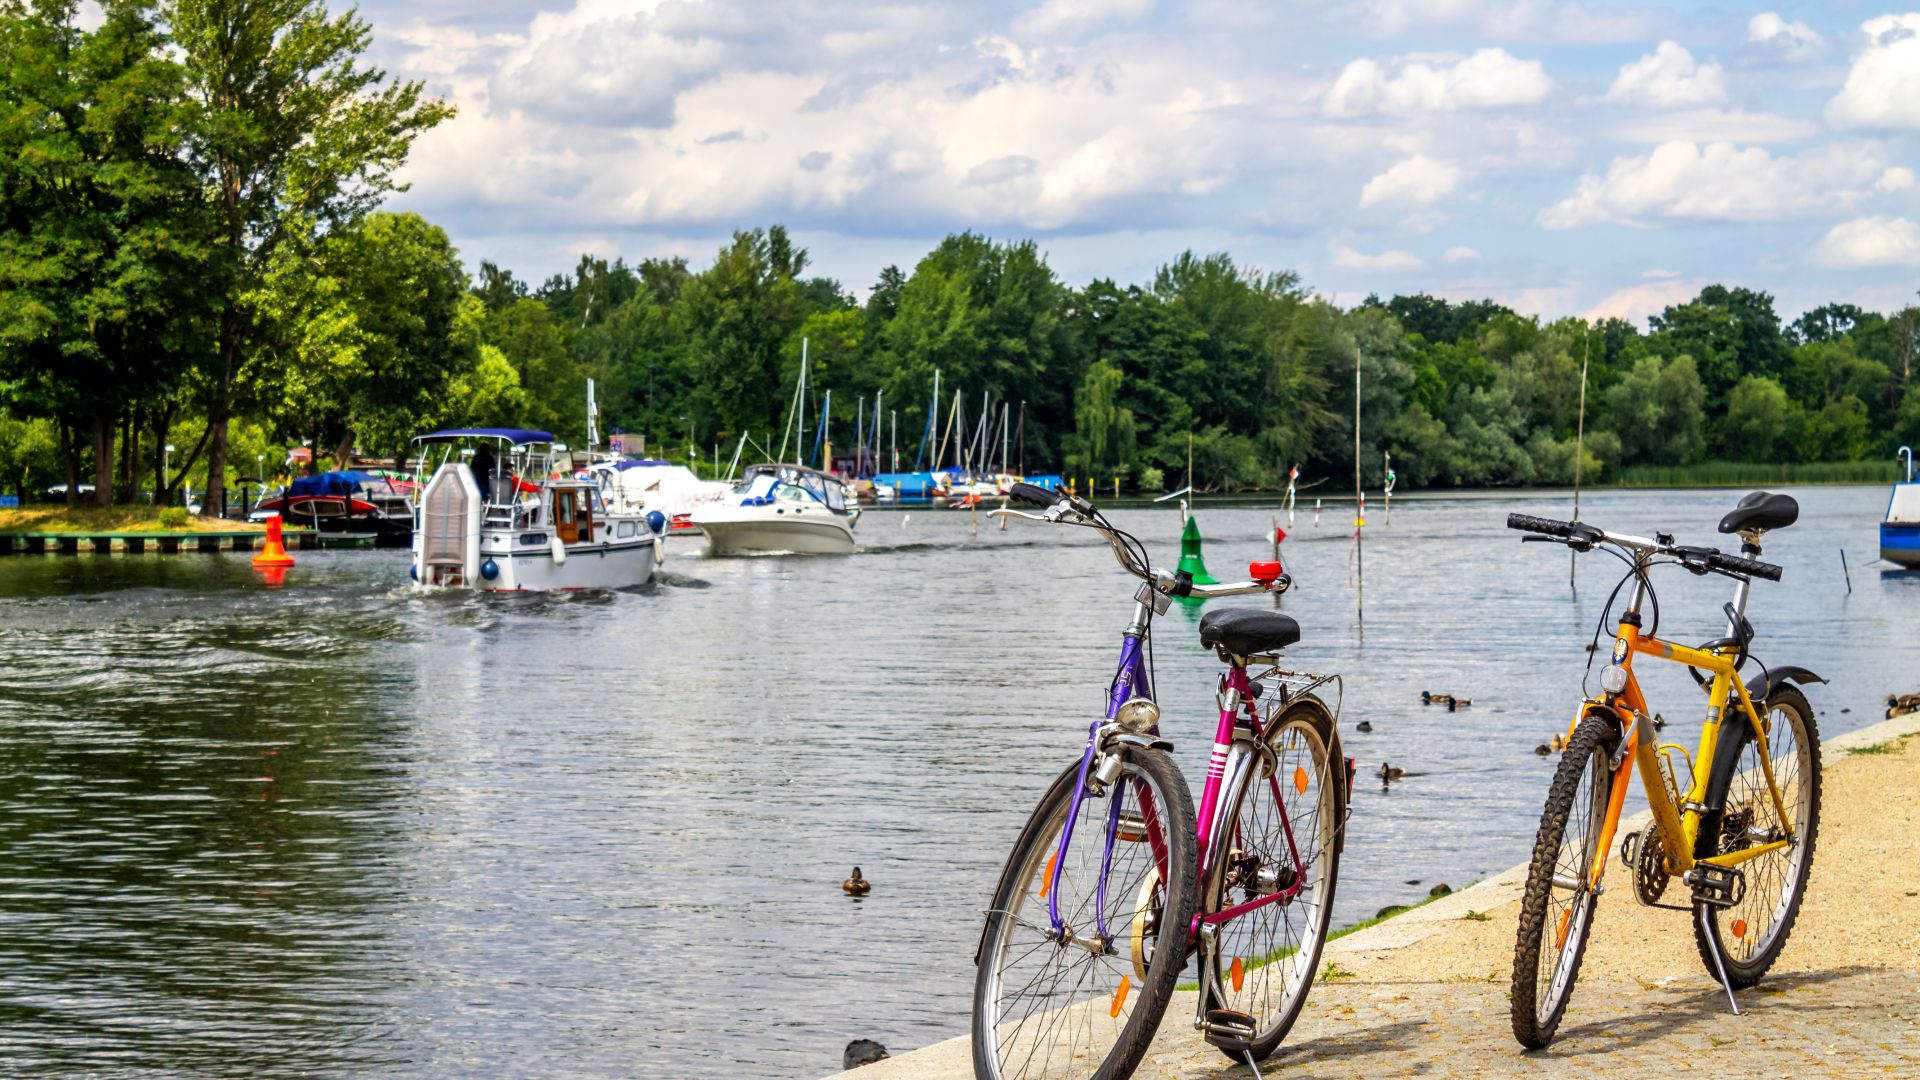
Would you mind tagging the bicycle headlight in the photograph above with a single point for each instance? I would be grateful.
(1613, 679)
(1138, 715)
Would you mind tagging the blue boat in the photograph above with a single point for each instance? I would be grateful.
(1900, 529)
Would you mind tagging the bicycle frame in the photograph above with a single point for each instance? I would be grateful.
(1679, 824)
(1226, 768)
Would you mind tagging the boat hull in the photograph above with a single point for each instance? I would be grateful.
(1900, 544)
(801, 534)
(618, 565)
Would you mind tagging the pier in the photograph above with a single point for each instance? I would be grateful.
(104, 542)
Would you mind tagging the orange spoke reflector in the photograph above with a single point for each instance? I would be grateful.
(1299, 779)
(1120, 996)
(1560, 939)
(1739, 928)
(1046, 882)
(1239, 974)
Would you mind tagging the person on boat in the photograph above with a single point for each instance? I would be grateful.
(482, 467)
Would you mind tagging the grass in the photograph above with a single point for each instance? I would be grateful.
(1891, 746)
(86, 519)
(1746, 474)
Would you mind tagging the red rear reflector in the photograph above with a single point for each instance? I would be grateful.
(1263, 572)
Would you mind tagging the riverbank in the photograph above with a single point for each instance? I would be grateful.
(1425, 992)
(61, 519)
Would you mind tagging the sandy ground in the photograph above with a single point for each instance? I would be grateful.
(1425, 993)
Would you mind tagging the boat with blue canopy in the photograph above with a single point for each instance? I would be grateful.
(1900, 529)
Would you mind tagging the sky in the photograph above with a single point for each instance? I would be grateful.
(1562, 158)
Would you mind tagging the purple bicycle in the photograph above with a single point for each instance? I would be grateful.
(1116, 882)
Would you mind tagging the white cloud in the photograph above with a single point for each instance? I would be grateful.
(1883, 85)
(1460, 255)
(1635, 303)
(1070, 18)
(1417, 181)
(1489, 79)
(1870, 241)
(1669, 78)
(1771, 37)
(1712, 125)
(1897, 178)
(1683, 181)
(1345, 257)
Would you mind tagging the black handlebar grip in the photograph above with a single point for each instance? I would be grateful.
(1529, 523)
(1749, 567)
(1034, 494)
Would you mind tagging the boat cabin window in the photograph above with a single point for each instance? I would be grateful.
(566, 517)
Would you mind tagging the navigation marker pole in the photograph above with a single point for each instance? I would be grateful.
(1359, 501)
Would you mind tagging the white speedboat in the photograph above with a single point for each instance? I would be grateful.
(501, 510)
(780, 508)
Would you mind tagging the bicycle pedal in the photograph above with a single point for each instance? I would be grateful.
(1717, 886)
(1228, 1028)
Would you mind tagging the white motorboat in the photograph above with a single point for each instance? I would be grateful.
(501, 510)
(780, 508)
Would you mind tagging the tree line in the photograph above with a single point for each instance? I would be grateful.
(195, 256)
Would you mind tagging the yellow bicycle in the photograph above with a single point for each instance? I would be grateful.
(1735, 821)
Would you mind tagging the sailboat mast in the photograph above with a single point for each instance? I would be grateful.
(800, 414)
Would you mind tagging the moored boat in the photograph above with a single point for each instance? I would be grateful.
(501, 510)
(345, 501)
(1900, 529)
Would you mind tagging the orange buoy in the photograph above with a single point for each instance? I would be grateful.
(275, 553)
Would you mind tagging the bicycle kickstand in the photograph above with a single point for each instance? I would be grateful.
(1706, 929)
(1248, 1054)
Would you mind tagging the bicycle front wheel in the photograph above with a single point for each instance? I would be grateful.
(1284, 837)
(1556, 911)
(1083, 999)
(1751, 933)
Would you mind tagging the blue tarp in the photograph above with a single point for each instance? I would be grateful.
(517, 436)
(909, 485)
(637, 464)
(341, 482)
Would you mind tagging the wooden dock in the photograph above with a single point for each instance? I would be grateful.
(168, 543)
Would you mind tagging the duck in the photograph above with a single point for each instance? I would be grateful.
(1363, 725)
(1543, 750)
(1391, 772)
(1559, 743)
(856, 885)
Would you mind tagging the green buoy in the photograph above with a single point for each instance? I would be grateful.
(1190, 559)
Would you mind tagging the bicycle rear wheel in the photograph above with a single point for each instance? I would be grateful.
(1556, 911)
(1265, 959)
(1750, 934)
(1083, 1003)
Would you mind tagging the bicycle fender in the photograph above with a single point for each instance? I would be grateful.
(1762, 686)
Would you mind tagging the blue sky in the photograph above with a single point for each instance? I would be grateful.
(1564, 158)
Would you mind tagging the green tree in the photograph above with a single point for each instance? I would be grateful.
(373, 328)
(98, 265)
(295, 138)
(1762, 423)
(1657, 411)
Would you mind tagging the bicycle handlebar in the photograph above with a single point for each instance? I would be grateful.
(1584, 536)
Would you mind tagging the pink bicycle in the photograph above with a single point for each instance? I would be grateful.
(1109, 891)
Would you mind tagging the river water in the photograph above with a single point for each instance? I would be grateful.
(341, 828)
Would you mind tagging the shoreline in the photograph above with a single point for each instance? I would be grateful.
(1440, 943)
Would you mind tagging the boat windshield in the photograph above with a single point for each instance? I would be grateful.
(787, 483)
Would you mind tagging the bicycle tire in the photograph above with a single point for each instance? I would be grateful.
(1776, 883)
(1585, 759)
(1305, 728)
(1110, 1047)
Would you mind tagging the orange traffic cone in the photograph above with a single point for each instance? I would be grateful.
(275, 553)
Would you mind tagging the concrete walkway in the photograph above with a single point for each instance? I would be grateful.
(1426, 992)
